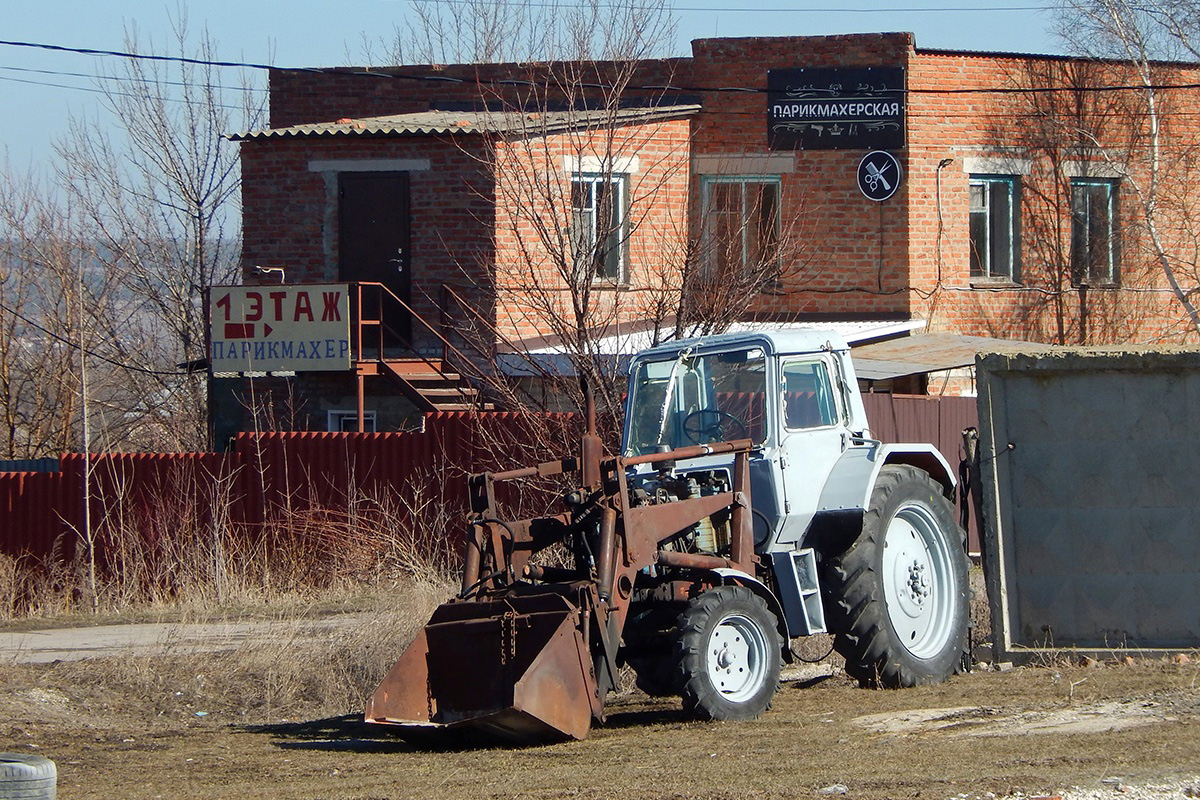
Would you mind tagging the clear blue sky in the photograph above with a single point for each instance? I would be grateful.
(330, 33)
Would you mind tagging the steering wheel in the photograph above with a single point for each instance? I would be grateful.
(710, 423)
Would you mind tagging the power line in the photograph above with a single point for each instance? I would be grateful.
(117, 78)
(77, 346)
(110, 92)
(501, 82)
(88, 51)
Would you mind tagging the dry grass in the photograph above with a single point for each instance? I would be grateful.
(182, 562)
(294, 669)
(276, 729)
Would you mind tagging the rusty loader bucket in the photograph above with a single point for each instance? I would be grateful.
(517, 668)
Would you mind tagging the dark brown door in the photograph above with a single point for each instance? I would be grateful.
(373, 243)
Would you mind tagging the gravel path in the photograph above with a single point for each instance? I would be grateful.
(1115, 789)
(153, 638)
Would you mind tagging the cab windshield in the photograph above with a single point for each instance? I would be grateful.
(697, 399)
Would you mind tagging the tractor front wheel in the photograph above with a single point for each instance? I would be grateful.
(898, 596)
(728, 655)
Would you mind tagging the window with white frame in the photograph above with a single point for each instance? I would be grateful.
(995, 227)
(741, 223)
(1094, 252)
(341, 421)
(600, 224)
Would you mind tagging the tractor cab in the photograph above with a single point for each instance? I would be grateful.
(793, 394)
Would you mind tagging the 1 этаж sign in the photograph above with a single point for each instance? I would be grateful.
(279, 328)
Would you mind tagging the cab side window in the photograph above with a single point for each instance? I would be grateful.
(808, 396)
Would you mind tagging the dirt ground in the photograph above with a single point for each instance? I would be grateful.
(277, 717)
(1030, 730)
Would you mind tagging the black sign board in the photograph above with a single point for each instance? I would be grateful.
(826, 108)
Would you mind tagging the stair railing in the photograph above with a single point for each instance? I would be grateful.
(381, 291)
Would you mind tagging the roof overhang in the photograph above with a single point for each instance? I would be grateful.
(930, 352)
(547, 355)
(508, 123)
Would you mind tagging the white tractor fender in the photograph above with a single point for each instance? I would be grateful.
(847, 492)
(728, 576)
(853, 477)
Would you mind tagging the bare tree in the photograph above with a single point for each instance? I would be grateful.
(58, 310)
(1155, 151)
(496, 31)
(158, 199)
(589, 180)
(37, 397)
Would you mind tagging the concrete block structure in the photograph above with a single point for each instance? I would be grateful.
(1087, 456)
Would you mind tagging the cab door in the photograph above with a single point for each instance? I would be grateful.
(812, 424)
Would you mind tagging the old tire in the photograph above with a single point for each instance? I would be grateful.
(899, 596)
(26, 777)
(727, 655)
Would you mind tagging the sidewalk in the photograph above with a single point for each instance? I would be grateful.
(153, 638)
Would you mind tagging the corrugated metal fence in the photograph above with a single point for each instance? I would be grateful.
(918, 418)
(269, 476)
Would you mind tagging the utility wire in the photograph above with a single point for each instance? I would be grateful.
(88, 51)
(4, 307)
(1017, 114)
(375, 73)
(120, 79)
(114, 93)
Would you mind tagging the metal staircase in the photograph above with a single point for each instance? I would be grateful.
(431, 383)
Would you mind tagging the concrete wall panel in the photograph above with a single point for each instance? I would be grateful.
(1092, 504)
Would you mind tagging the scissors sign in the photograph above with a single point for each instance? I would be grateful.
(879, 175)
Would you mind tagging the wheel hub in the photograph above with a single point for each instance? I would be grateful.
(724, 659)
(737, 658)
(918, 581)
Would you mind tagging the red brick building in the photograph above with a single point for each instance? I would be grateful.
(1017, 214)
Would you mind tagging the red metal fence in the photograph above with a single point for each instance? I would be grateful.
(918, 418)
(267, 476)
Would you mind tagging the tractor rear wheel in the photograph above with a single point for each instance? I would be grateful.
(728, 655)
(899, 596)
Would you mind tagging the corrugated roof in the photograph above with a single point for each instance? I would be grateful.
(424, 123)
(551, 355)
(930, 352)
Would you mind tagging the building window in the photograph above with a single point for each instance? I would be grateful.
(741, 225)
(1094, 256)
(347, 421)
(995, 227)
(600, 224)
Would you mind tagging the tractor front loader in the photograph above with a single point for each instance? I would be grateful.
(528, 652)
(671, 564)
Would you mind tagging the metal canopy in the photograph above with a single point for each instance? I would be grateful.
(930, 352)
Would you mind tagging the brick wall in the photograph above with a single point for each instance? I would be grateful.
(1044, 306)
(852, 254)
(299, 97)
(290, 212)
(907, 256)
(533, 215)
